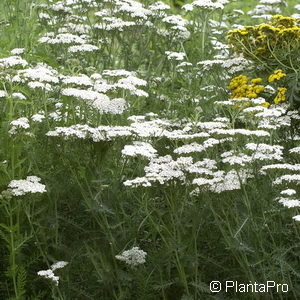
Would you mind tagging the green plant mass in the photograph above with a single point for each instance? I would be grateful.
(150, 150)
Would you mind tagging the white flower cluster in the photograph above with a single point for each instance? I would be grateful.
(288, 176)
(288, 192)
(240, 131)
(37, 118)
(295, 150)
(49, 274)
(266, 8)
(40, 73)
(39, 85)
(18, 96)
(13, 61)
(236, 64)
(294, 178)
(285, 167)
(133, 257)
(139, 148)
(297, 218)
(159, 6)
(270, 1)
(133, 8)
(175, 55)
(176, 25)
(30, 185)
(40, 76)
(101, 133)
(195, 147)
(113, 23)
(62, 39)
(164, 168)
(139, 127)
(17, 51)
(221, 48)
(96, 100)
(58, 7)
(205, 4)
(274, 117)
(255, 110)
(205, 166)
(233, 159)
(137, 182)
(19, 124)
(268, 121)
(181, 67)
(61, 112)
(207, 65)
(289, 202)
(220, 181)
(96, 87)
(265, 151)
(161, 169)
(82, 48)
(3, 94)
(80, 80)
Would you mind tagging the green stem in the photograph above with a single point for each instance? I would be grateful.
(12, 252)
(203, 35)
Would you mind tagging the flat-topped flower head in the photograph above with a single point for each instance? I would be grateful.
(49, 274)
(30, 185)
(133, 257)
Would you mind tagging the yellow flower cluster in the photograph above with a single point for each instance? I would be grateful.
(266, 104)
(261, 40)
(241, 88)
(281, 95)
(278, 74)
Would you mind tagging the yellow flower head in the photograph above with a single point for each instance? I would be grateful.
(241, 88)
(277, 74)
(260, 41)
(256, 80)
(280, 97)
(266, 104)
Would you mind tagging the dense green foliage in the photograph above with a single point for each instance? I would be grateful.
(90, 103)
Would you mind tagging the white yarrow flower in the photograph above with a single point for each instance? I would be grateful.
(26, 186)
(175, 55)
(19, 96)
(139, 148)
(288, 192)
(3, 94)
(37, 118)
(17, 51)
(297, 218)
(133, 257)
(49, 274)
(58, 265)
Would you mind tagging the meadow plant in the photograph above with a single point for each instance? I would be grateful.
(274, 45)
(150, 149)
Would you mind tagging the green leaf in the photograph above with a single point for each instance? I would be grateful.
(21, 280)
